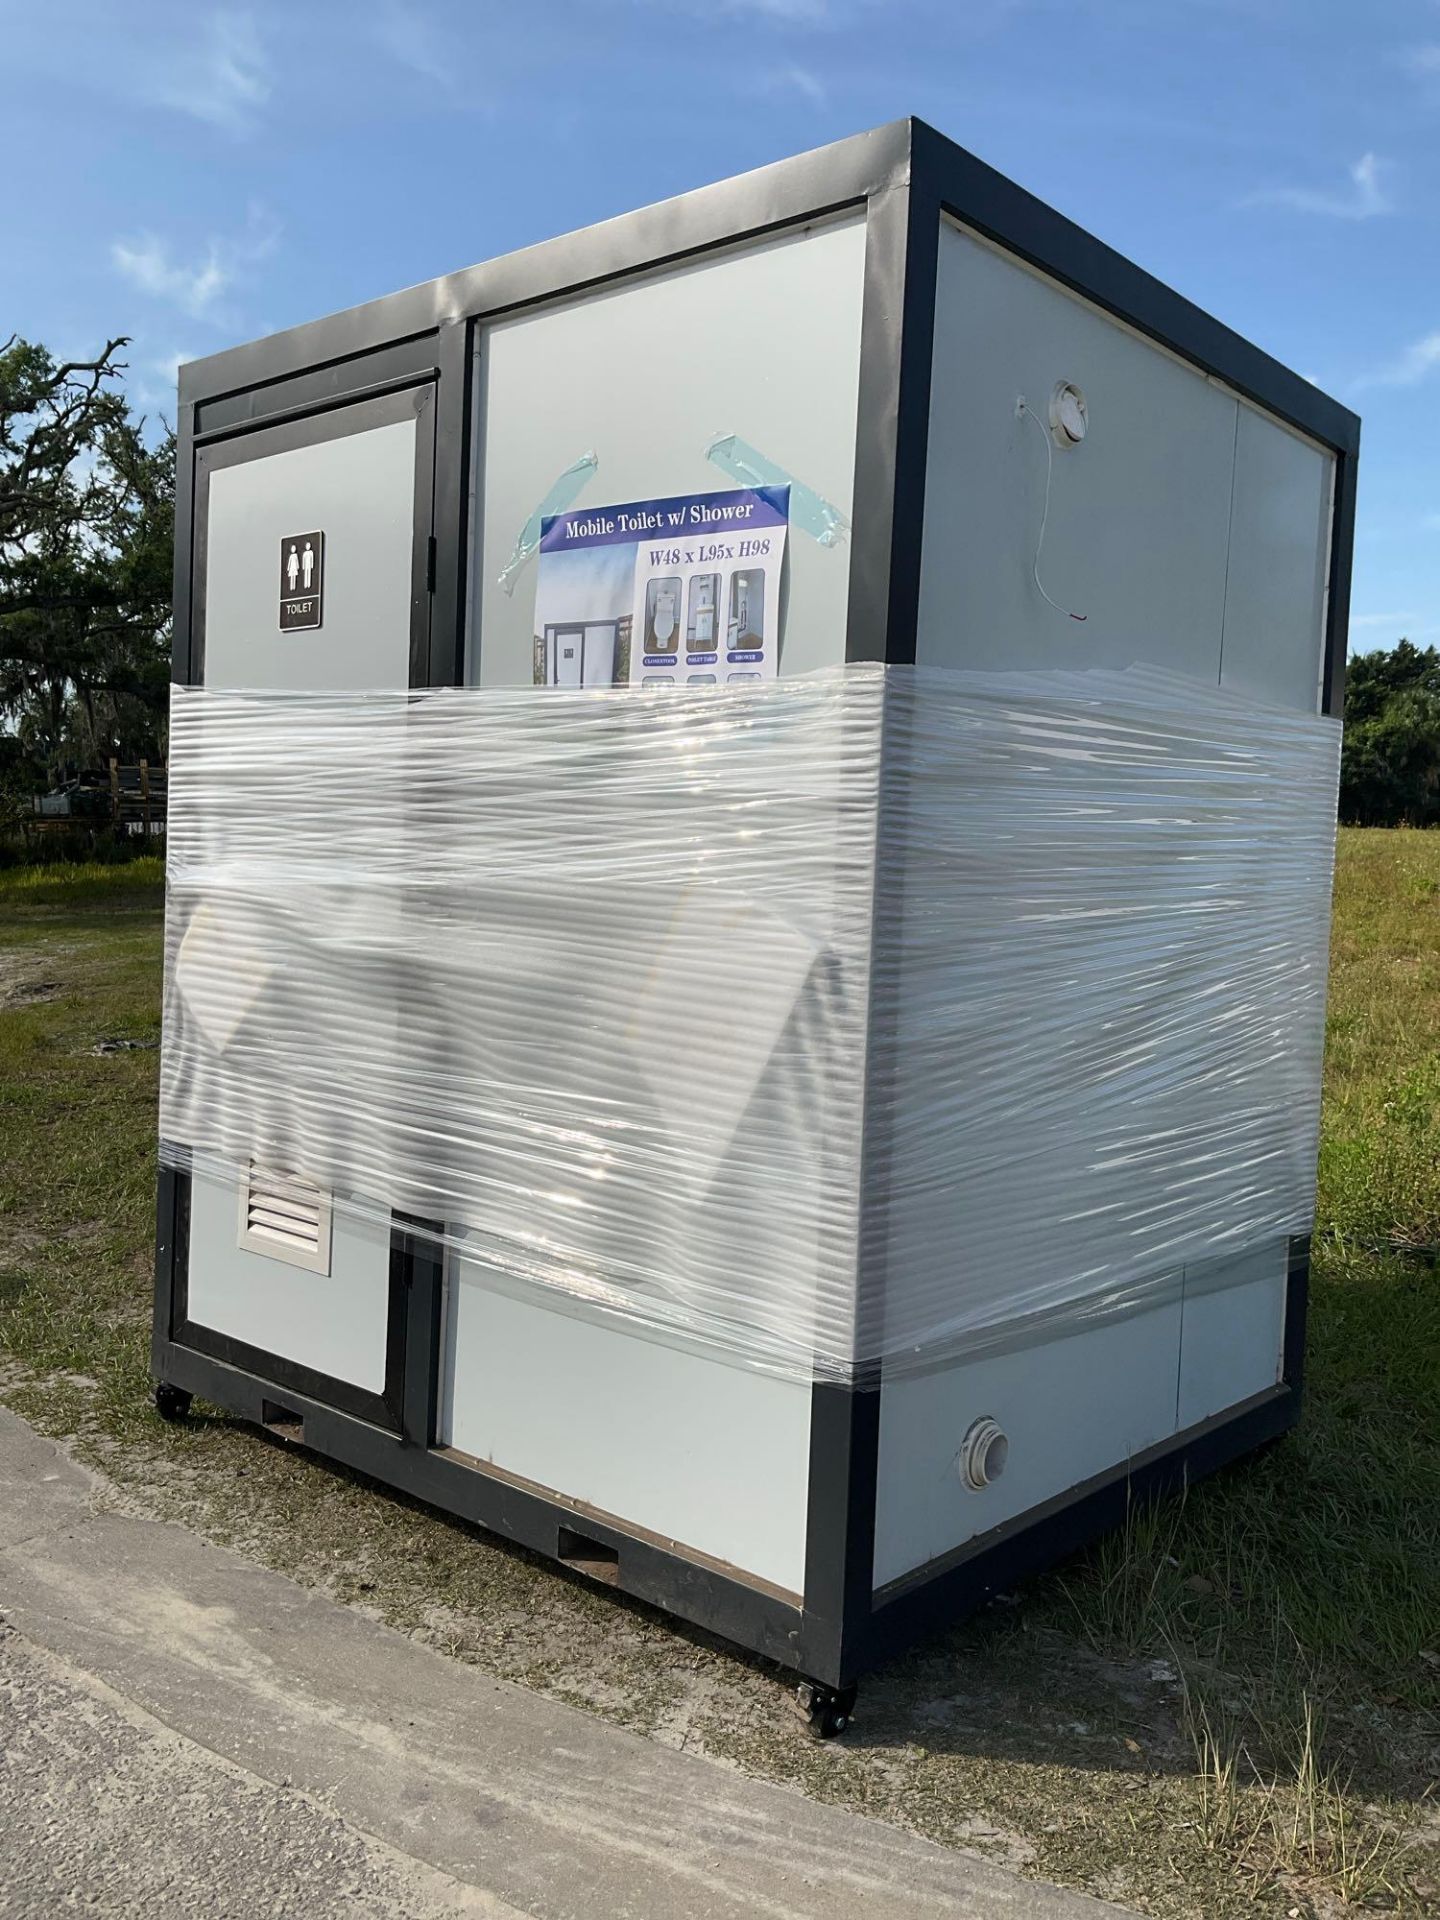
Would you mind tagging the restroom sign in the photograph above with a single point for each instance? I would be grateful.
(302, 581)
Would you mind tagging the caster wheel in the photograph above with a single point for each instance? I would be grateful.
(171, 1403)
(826, 1711)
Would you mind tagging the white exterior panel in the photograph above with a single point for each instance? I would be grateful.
(1139, 515)
(1069, 1410)
(1191, 532)
(1279, 556)
(710, 1455)
(332, 1322)
(763, 342)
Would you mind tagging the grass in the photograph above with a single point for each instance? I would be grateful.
(1230, 1707)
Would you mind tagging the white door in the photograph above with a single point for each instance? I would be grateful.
(310, 1304)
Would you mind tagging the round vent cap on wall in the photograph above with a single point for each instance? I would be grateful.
(1069, 414)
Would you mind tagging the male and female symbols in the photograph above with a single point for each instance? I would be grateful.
(300, 566)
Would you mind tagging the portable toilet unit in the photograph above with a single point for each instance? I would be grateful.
(998, 452)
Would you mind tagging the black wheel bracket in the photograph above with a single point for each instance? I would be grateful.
(826, 1711)
(171, 1403)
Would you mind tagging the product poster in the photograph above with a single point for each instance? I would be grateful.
(681, 592)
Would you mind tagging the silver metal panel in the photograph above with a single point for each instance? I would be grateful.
(712, 1456)
(763, 342)
(1231, 1339)
(360, 490)
(1279, 557)
(332, 1322)
(1139, 513)
(1069, 1410)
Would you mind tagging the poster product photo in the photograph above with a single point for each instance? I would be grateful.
(677, 592)
(662, 614)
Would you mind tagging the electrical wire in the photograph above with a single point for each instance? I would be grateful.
(1024, 407)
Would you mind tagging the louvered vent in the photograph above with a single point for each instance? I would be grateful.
(285, 1218)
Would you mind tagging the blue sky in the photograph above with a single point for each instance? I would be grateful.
(196, 175)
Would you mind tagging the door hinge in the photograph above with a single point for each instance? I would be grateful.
(430, 565)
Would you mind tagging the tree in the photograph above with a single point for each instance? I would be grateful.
(86, 531)
(1390, 765)
(1371, 678)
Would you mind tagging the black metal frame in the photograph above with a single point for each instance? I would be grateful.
(906, 178)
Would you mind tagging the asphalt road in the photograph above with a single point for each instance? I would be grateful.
(184, 1733)
(103, 1809)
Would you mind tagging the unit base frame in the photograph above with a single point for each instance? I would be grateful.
(828, 1638)
(940, 1594)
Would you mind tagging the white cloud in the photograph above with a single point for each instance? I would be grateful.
(1408, 368)
(196, 287)
(1424, 61)
(793, 79)
(409, 36)
(210, 60)
(1365, 198)
(222, 78)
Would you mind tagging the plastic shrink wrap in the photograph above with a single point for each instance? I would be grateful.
(856, 1017)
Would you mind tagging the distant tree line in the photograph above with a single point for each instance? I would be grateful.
(87, 507)
(1390, 766)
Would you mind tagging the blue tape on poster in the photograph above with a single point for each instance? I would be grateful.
(565, 490)
(809, 511)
